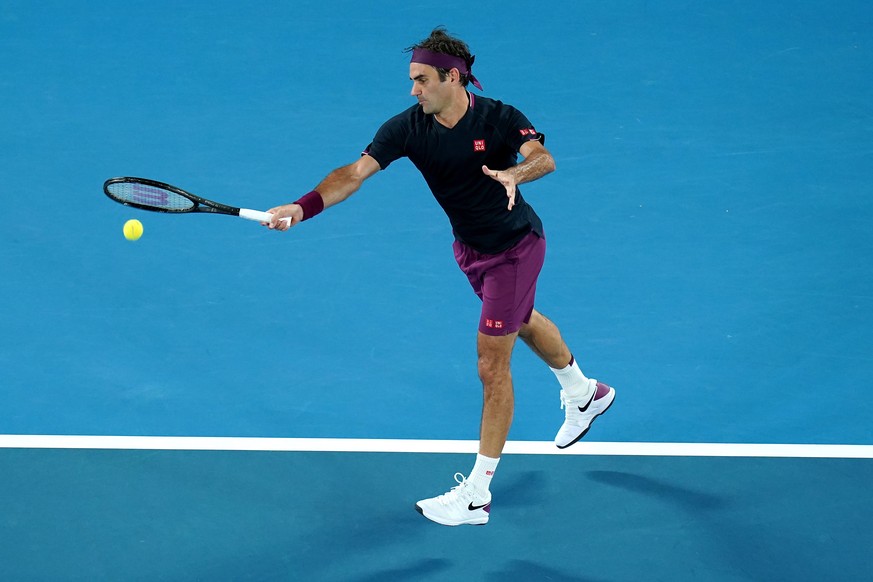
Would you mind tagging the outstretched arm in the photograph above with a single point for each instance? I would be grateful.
(537, 163)
(336, 187)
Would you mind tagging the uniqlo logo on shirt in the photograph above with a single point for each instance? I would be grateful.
(529, 131)
(478, 145)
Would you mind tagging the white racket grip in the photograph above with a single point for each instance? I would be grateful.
(257, 215)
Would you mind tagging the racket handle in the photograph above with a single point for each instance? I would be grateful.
(257, 215)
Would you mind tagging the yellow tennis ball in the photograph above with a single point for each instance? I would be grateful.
(132, 229)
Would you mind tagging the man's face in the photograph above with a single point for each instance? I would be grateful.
(433, 95)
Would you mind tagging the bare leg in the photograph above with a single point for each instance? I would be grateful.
(543, 337)
(498, 400)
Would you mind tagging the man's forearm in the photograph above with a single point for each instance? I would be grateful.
(339, 185)
(534, 167)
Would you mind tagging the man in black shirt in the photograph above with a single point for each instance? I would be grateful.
(467, 148)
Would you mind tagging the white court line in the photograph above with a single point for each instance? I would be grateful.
(430, 446)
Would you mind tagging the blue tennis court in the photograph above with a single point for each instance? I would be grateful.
(709, 256)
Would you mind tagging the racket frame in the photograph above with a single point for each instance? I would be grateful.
(200, 204)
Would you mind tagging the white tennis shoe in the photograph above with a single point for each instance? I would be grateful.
(579, 414)
(462, 505)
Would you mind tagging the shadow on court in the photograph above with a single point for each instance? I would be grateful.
(528, 570)
(421, 570)
(680, 496)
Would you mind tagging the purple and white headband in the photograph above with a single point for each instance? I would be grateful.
(444, 61)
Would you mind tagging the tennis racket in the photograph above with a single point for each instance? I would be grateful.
(159, 197)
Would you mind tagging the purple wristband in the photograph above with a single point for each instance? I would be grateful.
(311, 203)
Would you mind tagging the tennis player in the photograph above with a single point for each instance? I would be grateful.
(467, 148)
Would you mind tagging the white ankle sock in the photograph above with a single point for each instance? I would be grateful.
(482, 473)
(574, 383)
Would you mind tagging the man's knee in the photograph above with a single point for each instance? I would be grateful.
(492, 371)
(495, 353)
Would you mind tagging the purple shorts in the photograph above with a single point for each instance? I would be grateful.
(506, 283)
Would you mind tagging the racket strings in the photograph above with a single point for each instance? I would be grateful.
(151, 196)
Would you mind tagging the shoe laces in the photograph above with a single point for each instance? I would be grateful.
(462, 488)
(565, 401)
(571, 412)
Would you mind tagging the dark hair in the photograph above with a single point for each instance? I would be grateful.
(440, 41)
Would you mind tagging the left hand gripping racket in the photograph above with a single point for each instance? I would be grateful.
(159, 197)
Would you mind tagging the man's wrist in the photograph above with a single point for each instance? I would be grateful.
(312, 204)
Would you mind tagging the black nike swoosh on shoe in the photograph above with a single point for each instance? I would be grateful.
(583, 409)
(472, 507)
(584, 432)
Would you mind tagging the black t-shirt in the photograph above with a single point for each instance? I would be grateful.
(490, 133)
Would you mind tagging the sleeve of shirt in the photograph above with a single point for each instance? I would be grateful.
(521, 130)
(389, 142)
